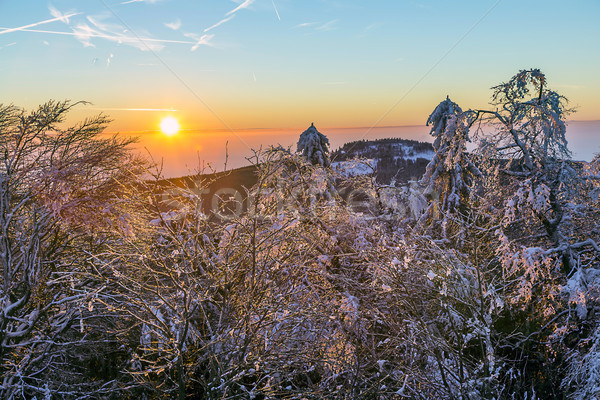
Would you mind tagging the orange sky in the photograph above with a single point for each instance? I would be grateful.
(223, 69)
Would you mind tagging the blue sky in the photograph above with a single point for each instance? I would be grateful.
(282, 63)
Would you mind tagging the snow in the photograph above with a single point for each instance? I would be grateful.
(314, 146)
(354, 167)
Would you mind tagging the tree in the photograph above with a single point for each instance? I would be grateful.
(314, 147)
(451, 172)
(60, 190)
(530, 120)
(527, 239)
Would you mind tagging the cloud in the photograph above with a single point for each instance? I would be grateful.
(114, 33)
(369, 28)
(421, 5)
(140, 1)
(175, 25)
(57, 14)
(373, 26)
(276, 12)
(327, 26)
(7, 45)
(305, 24)
(60, 17)
(84, 32)
(221, 22)
(96, 27)
(245, 4)
(203, 40)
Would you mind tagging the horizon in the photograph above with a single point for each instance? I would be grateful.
(183, 160)
(216, 66)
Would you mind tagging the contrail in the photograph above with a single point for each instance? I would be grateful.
(98, 35)
(221, 22)
(245, 4)
(24, 27)
(276, 12)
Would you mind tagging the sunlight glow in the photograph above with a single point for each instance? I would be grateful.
(169, 126)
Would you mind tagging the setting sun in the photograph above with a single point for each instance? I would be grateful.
(169, 126)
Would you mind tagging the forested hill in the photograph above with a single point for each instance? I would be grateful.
(401, 159)
(395, 159)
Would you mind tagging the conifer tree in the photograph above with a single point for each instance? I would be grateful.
(314, 146)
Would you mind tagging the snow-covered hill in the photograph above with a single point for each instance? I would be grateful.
(400, 160)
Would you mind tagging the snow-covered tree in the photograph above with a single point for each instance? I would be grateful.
(302, 295)
(527, 252)
(529, 120)
(314, 147)
(450, 173)
(59, 190)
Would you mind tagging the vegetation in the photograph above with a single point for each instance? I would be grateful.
(480, 281)
(396, 160)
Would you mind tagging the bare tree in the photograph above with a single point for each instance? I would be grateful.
(59, 187)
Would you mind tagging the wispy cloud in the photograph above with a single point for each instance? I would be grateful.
(276, 12)
(305, 25)
(175, 25)
(245, 4)
(328, 26)
(7, 45)
(84, 32)
(229, 16)
(98, 28)
(369, 28)
(203, 40)
(421, 5)
(140, 1)
(94, 27)
(61, 17)
(373, 26)
(221, 22)
(319, 26)
(119, 39)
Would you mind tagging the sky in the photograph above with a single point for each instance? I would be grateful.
(248, 73)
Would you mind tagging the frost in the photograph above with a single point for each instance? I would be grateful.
(575, 290)
(354, 167)
(314, 146)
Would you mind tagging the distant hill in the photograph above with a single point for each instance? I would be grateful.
(396, 159)
(400, 160)
(215, 189)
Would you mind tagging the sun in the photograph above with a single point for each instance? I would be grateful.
(169, 126)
